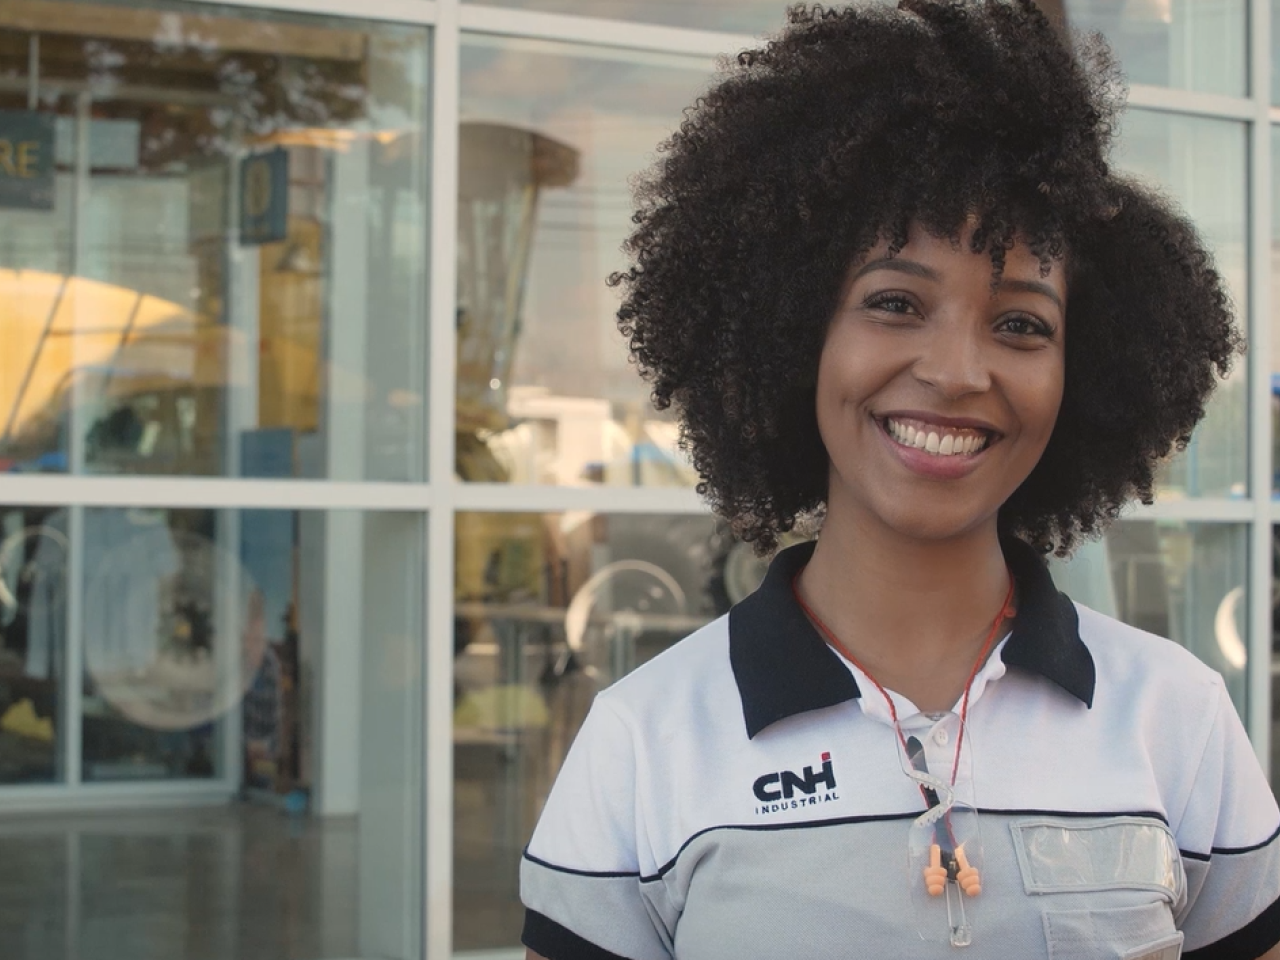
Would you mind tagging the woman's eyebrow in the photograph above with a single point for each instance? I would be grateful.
(901, 266)
(915, 269)
(1033, 286)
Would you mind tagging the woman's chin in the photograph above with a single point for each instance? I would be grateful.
(935, 522)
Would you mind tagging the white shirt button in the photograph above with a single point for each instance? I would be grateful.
(940, 736)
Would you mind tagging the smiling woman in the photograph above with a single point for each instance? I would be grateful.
(914, 311)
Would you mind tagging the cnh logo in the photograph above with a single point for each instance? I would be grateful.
(784, 784)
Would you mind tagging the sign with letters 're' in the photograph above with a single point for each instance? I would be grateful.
(26, 160)
(264, 197)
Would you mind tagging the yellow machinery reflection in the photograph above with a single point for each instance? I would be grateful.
(55, 323)
(110, 351)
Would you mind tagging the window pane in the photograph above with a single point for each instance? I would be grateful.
(225, 276)
(1275, 50)
(265, 662)
(731, 16)
(1184, 581)
(550, 135)
(33, 622)
(552, 608)
(1201, 164)
(1274, 686)
(1184, 44)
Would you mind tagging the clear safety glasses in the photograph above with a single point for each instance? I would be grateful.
(944, 845)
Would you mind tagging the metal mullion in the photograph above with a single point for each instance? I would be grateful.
(213, 493)
(1195, 510)
(1190, 102)
(437, 807)
(56, 798)
(71, 680)
(601, 32)
(392, 11)
(451, 494)
(506, 498)
(1258, 718)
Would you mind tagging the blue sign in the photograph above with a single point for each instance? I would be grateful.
(264, 197)
(26, 160)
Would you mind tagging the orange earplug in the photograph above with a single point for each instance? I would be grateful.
(935, 874)
(967, 876)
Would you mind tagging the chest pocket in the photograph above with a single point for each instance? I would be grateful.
(1120, 878)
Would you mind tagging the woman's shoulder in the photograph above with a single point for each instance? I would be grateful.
(1131, 659)
(691, 675)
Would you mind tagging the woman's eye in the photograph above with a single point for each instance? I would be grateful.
(1026, 327)
(890, 303)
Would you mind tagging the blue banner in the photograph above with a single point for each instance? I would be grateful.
(26, 160)
(264, 197)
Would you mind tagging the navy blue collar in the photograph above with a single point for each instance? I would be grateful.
(783, 666)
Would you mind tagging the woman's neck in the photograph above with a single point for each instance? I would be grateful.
(914, 613)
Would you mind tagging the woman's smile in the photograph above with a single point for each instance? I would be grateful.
(936, 449)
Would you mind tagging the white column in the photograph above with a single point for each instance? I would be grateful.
(72, 689)
(336, 743)
(1260, 351)
(244, 268)
(390, 738)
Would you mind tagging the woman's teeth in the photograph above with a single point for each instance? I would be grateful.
(939, 441)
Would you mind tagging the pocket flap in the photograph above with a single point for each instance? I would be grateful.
(1112, 853)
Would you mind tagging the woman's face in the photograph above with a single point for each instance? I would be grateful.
(937, 395)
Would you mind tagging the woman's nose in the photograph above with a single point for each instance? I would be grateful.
(954, 360)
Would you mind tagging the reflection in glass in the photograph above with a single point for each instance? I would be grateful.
(1184, 581)
(33, 586)
(270, 656)
(1201, 164)
(1274, 686)
(551, 609)
(225, 188)
(1275, 310)
(1275, 48)
(160, 669)
(1185, 44)
(550, 135)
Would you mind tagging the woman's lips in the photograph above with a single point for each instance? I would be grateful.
(936, 451)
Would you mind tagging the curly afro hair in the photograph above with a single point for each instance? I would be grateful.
(850, 126)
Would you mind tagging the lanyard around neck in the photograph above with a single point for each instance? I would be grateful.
(1006, 611)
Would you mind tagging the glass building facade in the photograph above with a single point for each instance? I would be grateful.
(328, 497)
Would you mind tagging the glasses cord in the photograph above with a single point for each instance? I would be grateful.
(935, 873)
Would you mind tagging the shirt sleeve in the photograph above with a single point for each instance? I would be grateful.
(580, 877)
(1228, 838)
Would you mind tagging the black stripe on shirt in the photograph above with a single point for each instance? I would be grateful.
(549, 939)
(601, 874)
(881, 818)
(1232, 851)
(1248, 943)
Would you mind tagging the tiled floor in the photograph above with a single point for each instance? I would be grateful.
(239, 882)
(231, 883)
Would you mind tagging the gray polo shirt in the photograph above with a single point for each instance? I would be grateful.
(739, 797)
